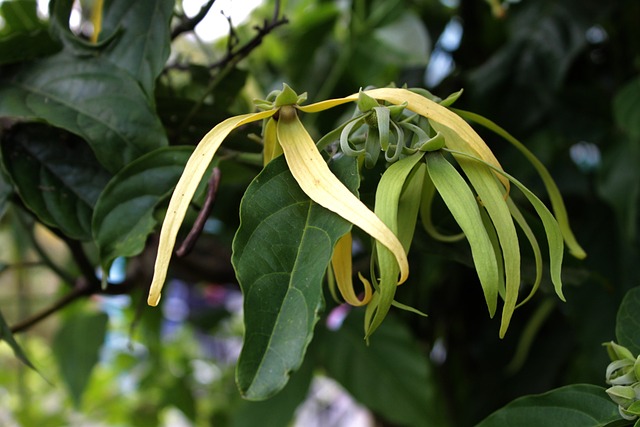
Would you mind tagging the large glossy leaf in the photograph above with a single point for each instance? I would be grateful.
(280, 254)
(142, 45)
(90, 97)
(628, 321)
(7, 336)
(579, 405)
(56, 174)
(76, 348)
(124, 214)
(391, 375)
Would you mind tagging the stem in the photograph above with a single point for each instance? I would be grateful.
(198, 225)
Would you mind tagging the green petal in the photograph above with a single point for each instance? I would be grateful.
(194, 170)
(552, 189)
(387, 202)
(551, 227)
(462, 204)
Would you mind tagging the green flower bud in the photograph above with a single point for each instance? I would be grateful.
(618, 352)
(365, 102)
(623, 395)
(289, 97)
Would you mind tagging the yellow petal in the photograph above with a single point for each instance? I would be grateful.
(271, 147)
(194, 170)
(341, 263)
(316, 179)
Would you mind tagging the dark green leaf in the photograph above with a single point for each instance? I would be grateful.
(19, 16)
(628, 321)
(124, 213)
(76, 348)
(578, 405)
(619, 185)
(90, 97)
(280, 254)
(391, 375)
(626, 108)
(142, 45)
(279, 409)
(7, 336)
(32, 45)
(56, 174)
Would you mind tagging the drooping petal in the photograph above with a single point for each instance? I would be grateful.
(316, 179)
(552, 189)
(457, 195)
(396, 178)
(194, 170)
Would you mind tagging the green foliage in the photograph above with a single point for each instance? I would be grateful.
(85, 333)
(125, 212)
(579, 405)
(628, 320)
(95, 130)
(283, 285)
(38, 158)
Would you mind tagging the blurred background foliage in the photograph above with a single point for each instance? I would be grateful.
(563, 76)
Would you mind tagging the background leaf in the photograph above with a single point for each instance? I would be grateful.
(628, 321)
(76, 348)
(579, 405)
(280, 254)
(626, 108)
(7, 336)
(90, 97)
(390, 375)
(56, 174)
(124, 214)
(143, 44)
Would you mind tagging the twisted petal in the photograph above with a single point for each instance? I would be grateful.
(469, 141)
(316, 179)
(184, 191)
(341, 263)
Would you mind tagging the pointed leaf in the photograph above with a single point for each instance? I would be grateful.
(628, 321)
(279, 409)
(56, 175)
(579, 405)
(280, 254)
(76, 348)
(142, 45)
(124, 214)
(7, 336)
(87, 96)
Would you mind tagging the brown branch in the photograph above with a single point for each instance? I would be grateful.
(198, 225)
(82, 289)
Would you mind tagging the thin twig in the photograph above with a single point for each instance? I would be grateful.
(189, 24)
(198, 225)
(233, 56)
